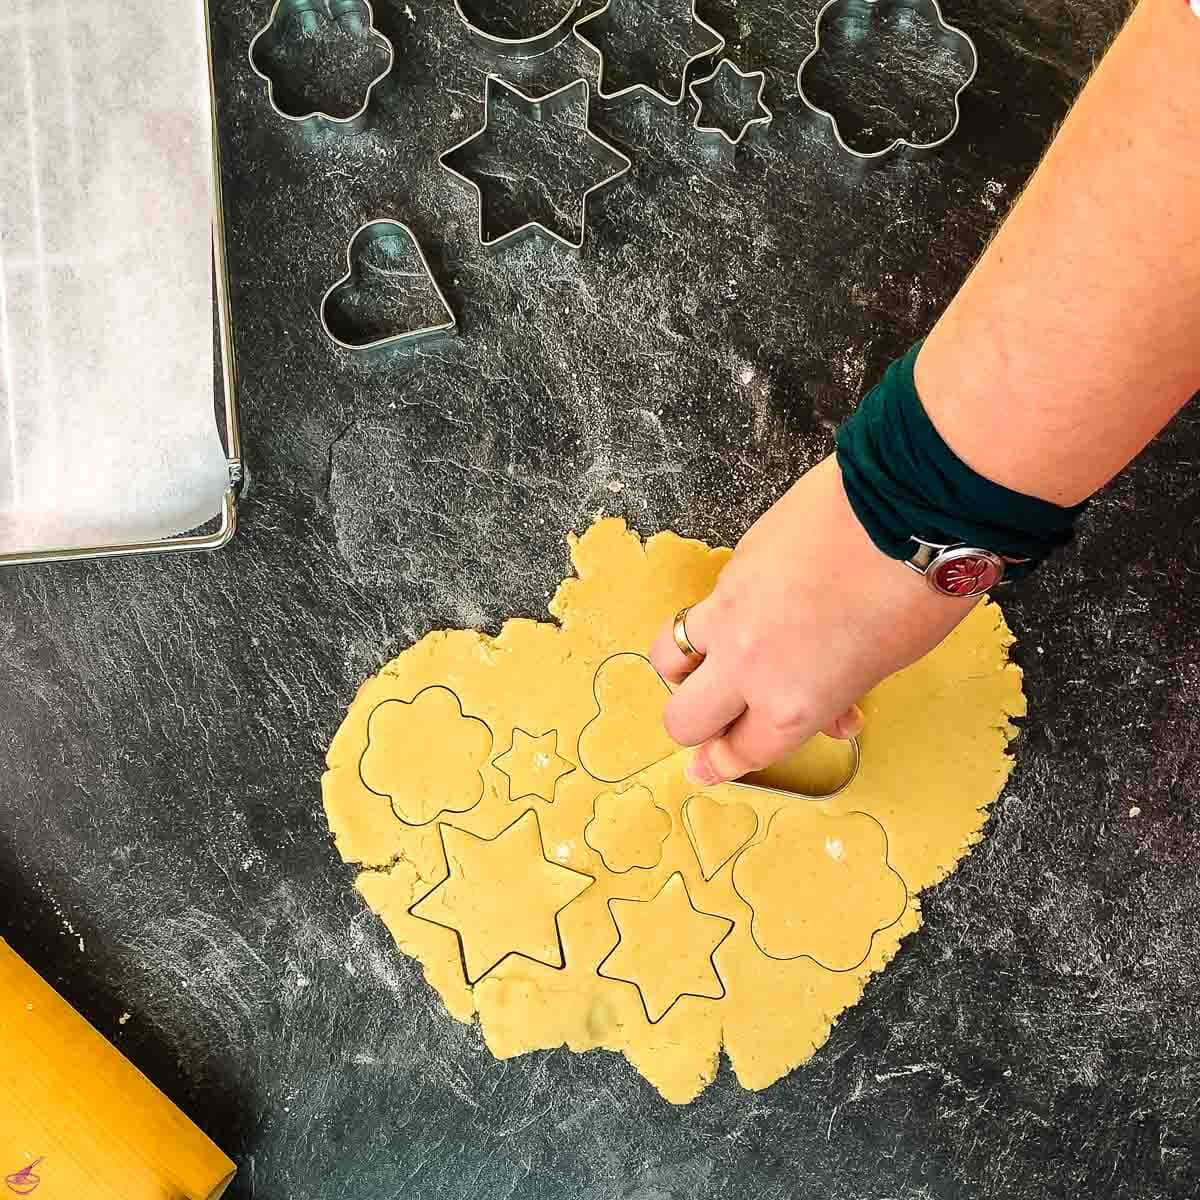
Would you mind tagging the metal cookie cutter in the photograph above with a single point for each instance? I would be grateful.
(384, 229)
(769, 780)
(603, 15)
(526, 47)
(854, 14)
(716, 135)
(538, 109)
(354, 15)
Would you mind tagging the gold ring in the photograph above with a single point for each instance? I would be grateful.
(679, 631)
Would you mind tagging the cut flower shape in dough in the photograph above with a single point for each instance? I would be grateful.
(628, 829)
(509, 939)
(397, 761)
(820, 886)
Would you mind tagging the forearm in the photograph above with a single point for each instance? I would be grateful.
(1077, 335)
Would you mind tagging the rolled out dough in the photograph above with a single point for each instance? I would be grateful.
(566, 885)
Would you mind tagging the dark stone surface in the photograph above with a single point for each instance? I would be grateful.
(163, 852)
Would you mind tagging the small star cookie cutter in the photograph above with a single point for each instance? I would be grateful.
(604, 14)
(349, 14)
(378, 230)
(716, 135)
(852, 12)
(524, 47)
(559, 100)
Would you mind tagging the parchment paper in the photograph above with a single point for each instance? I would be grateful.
(107, 428)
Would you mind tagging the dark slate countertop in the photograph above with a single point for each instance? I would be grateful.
(163, 852)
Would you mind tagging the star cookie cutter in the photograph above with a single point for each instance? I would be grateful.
(855, 12)
(350, 14)
(716, 135)
(538, 107)
(379, 230)
(524, 47)
(603, 14)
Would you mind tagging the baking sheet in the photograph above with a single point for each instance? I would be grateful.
(107, 427)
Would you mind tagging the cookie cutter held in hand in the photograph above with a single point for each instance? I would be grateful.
(381, 229)
(715, 135)
(950, 36)
(759, 780)
(347, 13)
(537, 108)
(526, 47)
(601, 13)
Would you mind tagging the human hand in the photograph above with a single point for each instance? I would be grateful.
(806, 617)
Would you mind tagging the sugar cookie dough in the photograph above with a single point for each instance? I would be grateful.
(527, 831)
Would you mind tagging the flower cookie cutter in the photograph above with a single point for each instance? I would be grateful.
(852, 15)
(354, 15)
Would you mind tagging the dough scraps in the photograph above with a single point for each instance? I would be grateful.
(527, 831)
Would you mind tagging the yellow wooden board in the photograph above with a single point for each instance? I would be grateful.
(78, 1121)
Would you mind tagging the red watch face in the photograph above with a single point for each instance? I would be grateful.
(966, 573)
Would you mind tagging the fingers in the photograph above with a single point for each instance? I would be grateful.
(848, 725)
(671, 662)
(749, 744)
(705, 704)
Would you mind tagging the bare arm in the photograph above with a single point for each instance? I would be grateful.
(1072, 343)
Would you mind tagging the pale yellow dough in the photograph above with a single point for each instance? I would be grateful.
(468, 812)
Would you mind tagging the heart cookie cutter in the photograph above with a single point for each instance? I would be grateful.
(853, 16)
(761, 781)
(379, 230)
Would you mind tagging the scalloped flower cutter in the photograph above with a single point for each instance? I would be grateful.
(356, 16)
(537, 109)
(380, 230)
(603, 16)
(701, 90)
(522, 47)
(853, 13)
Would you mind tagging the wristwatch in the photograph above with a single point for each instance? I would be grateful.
(956, 569)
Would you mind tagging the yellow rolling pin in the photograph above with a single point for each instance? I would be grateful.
(78, 1121)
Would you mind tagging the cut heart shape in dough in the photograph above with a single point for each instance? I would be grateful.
(626, 735)
(717, 829)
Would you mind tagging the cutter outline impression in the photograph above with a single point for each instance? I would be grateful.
(715, 134)
(333, 9)
(526, 47)
(366, 233)
(560, 97)
(951, 35)
(645, 87)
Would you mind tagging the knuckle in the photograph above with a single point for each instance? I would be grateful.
(791, 713)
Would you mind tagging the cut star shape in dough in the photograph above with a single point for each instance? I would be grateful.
(533, 765)
(479, 872)
(665, 948)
